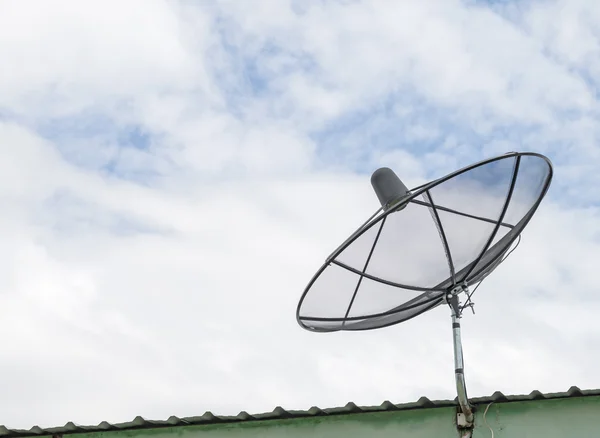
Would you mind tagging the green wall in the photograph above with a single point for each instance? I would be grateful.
(569, 417)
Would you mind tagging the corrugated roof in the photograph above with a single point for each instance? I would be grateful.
(279, 413)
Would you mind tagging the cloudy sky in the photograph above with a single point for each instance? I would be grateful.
(173, 173)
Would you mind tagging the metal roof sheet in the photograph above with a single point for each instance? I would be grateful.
(279, 413)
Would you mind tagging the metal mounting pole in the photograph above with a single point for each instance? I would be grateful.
(461, 387)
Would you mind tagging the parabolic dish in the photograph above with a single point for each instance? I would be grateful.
(452, 231)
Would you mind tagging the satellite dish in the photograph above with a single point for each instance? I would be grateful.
(425, 247)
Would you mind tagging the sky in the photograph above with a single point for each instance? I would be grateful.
(174, 173)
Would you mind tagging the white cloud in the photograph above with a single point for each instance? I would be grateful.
(162, 278)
